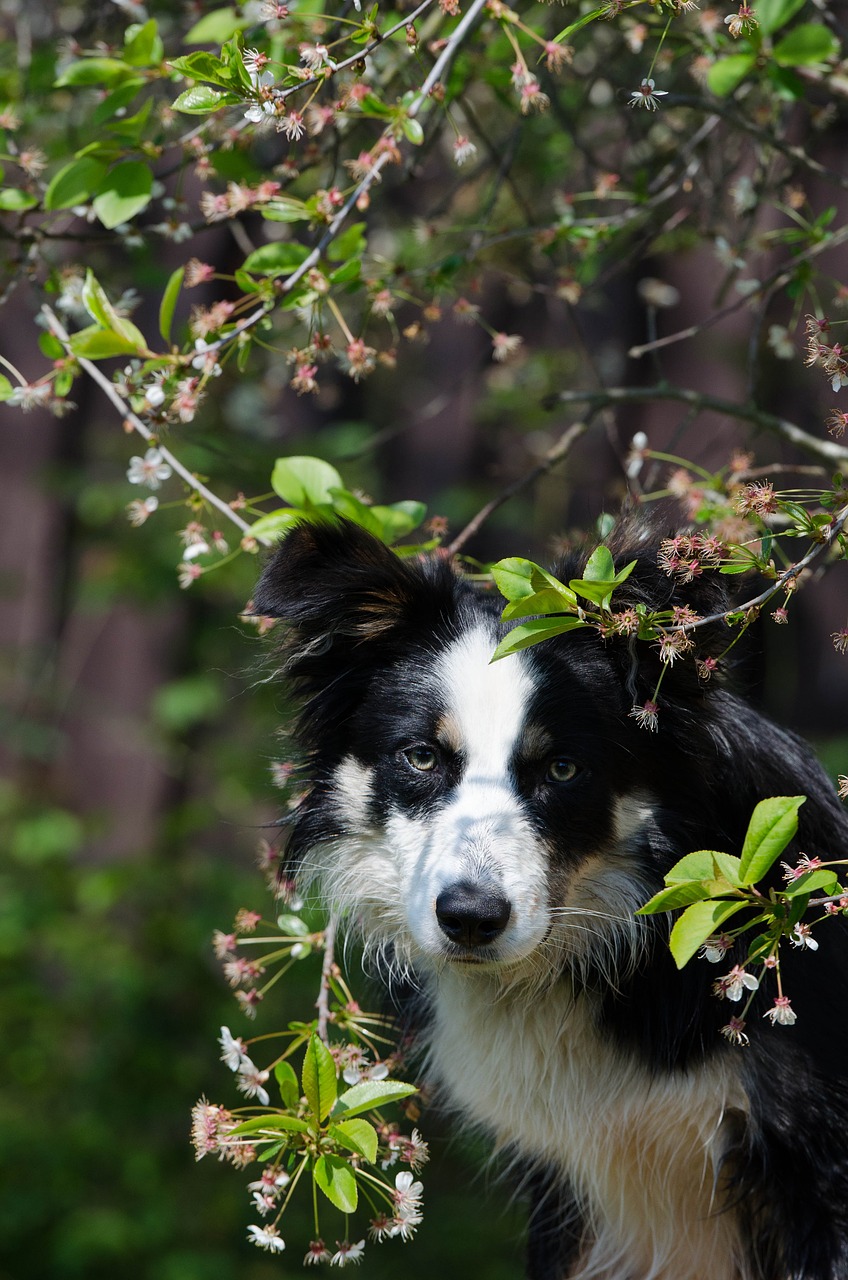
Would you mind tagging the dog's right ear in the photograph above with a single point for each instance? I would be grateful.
(333, 580)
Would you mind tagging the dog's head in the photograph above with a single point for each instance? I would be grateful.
(510, 815)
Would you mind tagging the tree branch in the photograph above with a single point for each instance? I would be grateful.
(828, 449)
(559, 451)
(143, 430)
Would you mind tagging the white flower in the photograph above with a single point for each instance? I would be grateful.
(263, 1204)
(802, 937)
(251, 1081)
(782, 1012)
(207, 357)
(271, 1183)
(348, 1253)
(232, 1049)
(715, 948)
(266, 1238)
(259, 110)
(734, 984)
(138, 510)
(150, 470)
(315, 56)
(154, 395)
(647, 96)
(408, 1192)
(780, 343)
(199, 548)
(30, 396)
(463, 149)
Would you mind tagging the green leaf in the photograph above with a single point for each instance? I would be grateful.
(737, 568)
(773, 824)
(294, 926)
(534, 632)
(350, 244)
(277, 259)
(200, 100)
(581, 22)
(774, 14)
(698, 923)
(169, 302)
(820, 880)
(596, 588)
(88, 71)
(318, 1079)
(600, 566)
(117, 99)
(74, 183)
(125, 191)
(336, 1179)
(304, 481)
(398, 519)
(412, 130)
(808, 43)
(516, 579)
(216, 27)
(95, 343)
(695, 866)
(291, 1123)
(677, 895)
(142, 45)
(370, 1095)
(287, 1081)
(545, 602)
(285, 209)
(100, 309)
(50, 346)
(358, 1136)
(203, 66)
(347, 273)
(726, 73)
(347, 504)
(6, 387)
(707, 865)
(14, 200)
(276, 524)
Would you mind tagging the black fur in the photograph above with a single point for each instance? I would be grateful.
(362, 622)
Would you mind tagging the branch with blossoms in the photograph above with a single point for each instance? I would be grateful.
(327, 1132)
(713, 888)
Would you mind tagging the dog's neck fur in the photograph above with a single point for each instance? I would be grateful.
(642, 1151)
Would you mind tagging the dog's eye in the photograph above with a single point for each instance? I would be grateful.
(561, 769)
(423, 759)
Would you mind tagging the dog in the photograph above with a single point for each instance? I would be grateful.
(490, 830)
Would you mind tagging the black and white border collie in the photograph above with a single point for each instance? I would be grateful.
(489, 831)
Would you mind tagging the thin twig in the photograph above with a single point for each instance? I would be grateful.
(322, 1004)
(829, 536)
(829, 449)
(126, 412)
(440, 65)
(778, 278)
(554, 455)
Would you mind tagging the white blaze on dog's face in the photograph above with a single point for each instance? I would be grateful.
(472, 872)
(447, 851)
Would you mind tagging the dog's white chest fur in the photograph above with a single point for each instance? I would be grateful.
(640, 1150)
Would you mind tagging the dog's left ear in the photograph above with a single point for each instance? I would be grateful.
(334, 579)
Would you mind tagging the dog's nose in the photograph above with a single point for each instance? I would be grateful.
(472, 915)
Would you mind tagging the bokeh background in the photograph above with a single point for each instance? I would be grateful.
(139, 728)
